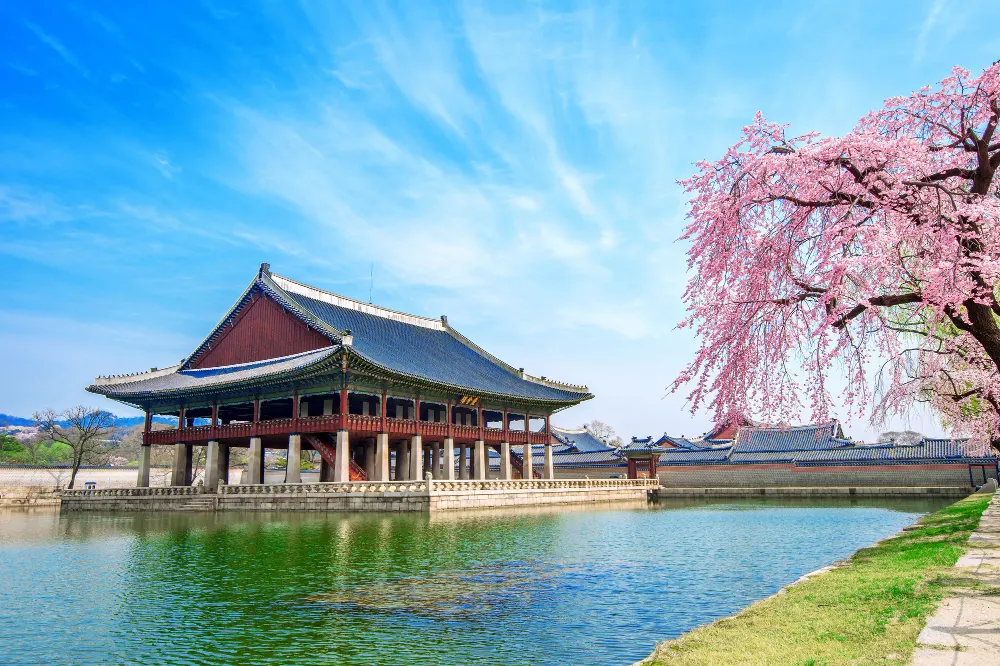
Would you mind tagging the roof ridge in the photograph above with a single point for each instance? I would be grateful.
(295, 287)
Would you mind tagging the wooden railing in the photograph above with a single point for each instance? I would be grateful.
(358, 423)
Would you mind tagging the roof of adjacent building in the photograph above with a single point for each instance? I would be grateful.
(580, 439)
(642, 446)
(400, 344)
(818, 445)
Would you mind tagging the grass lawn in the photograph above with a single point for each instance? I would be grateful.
(867, 611)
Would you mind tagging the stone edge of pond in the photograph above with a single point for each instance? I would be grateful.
(647, 661)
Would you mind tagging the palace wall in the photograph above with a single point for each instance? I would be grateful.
(792, 476)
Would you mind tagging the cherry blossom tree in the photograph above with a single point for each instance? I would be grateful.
(859, 271)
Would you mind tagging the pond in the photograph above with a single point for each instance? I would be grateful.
(595, 586)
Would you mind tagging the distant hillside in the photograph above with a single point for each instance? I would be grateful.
(6, 419)
(123, 421)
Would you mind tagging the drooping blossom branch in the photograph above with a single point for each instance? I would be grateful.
(880, 249)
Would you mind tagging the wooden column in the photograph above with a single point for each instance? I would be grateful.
(295, 411)
(526, 455)
(343, 407)
(383, 415)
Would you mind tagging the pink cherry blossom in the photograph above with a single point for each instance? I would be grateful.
(874, 257)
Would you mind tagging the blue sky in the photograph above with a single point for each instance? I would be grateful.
(510, 165)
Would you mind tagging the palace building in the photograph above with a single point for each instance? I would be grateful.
(380, 395)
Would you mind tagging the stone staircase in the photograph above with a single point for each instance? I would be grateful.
(195, 503)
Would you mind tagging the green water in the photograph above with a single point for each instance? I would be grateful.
(553, 587)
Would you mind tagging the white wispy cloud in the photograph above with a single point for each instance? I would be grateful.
(68, 56)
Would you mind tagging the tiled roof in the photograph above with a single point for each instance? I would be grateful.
(641, 445)
(819, 445)
(699, 457)
(396, 343)
(419, 347)
(667, 442)
(174, 379)
(581, 439)
(799, 438)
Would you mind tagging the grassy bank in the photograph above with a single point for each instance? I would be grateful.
(867, 611)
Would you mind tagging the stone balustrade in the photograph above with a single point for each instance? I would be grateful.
(160, 491)
(353, 487)
(541, 484)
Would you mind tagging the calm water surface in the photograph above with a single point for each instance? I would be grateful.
(556, 587)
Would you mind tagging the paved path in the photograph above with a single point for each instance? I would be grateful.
(965, 630)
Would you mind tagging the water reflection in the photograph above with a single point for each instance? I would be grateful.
(542, 586)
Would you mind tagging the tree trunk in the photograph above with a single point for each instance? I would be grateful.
(76, 468)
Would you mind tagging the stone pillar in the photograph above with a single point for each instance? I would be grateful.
(212, 466)
(428, 460)
(481, 460)
(505, 471)
(224, 463)
(181, 473)
(527, 462)
(381, 457)
(342, 467)
(436, 459)
(255, 464)
(416, 458)
(293, 461)
(463, 463)
(449, 459)
(370, 460)
(144, 455)
(325, 470)
(403, 461)
(549, 469)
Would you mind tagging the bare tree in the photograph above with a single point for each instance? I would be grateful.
(604, 432)
(86, 433)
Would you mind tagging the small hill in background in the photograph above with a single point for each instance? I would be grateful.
(123, 421)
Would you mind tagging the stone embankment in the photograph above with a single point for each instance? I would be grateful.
(405, 496)
(817, 491)
(965, 630)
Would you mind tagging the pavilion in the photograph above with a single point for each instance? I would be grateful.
(379, 394)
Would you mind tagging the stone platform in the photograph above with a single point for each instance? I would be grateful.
(409, 496)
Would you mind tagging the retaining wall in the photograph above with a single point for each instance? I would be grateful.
(844, 476)
(364, 496)
(817, 492)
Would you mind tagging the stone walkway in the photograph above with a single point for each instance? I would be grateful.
(965, 630)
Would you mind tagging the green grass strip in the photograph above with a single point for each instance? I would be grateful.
(867, 611)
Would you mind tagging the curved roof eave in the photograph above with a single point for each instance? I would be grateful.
(389, 373)
(312, 368)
